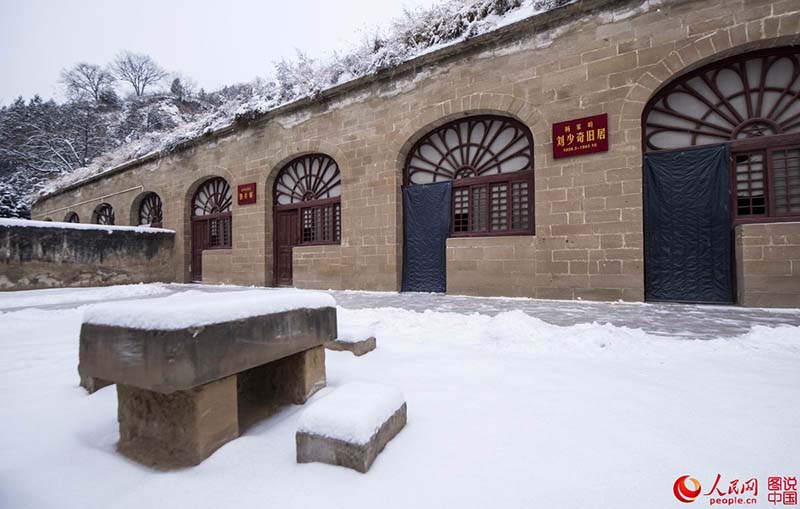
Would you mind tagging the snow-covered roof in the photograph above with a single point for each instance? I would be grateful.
(27, 223)
(529, 16)
(194, 308)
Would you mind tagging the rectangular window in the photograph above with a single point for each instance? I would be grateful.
(321, 224)
(786, 181)
(479, 209)
(766, 183)
(520, 206)
(751, 199)
(219, 232)
(492, 206)
(461, 209)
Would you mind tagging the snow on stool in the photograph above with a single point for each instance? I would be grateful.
(350, 426)
(358, 340)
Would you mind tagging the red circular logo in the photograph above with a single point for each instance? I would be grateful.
(686, 489)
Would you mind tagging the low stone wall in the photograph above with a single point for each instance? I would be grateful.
(768, 264)
(38, 254)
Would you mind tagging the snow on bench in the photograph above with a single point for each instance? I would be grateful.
(358, 340)
(194, 308)
(195, 369)
(351, 426)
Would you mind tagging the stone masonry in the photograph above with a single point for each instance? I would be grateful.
(591, 57)
(768, 264)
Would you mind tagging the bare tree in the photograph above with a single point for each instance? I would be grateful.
(86, 80)
(139, 71)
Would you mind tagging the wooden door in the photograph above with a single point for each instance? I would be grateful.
(287, 235)
(199, 241)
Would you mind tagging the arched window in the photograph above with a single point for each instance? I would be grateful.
(313, 185)
(751, 101)
(489, 158)
(103, 214)
(72, 217)
(211, 213)
(150, 211)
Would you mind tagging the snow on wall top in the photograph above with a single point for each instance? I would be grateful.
(418, 33)
(352, 413)
(80, 226)
(196, 309)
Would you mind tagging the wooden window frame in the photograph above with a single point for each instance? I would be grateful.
(227, 216)
(477, 182)
(767, 145)
(317, 204)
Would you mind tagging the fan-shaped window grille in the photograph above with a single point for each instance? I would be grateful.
(751, 101)
(748, 96)
(150, 211)
(213, 197)
(490, 161)
(103, 214)
(211, 211)
(312, 184)
(72, 217)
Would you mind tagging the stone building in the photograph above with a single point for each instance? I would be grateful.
(334, 188)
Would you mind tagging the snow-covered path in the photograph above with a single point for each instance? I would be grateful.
(505, 409)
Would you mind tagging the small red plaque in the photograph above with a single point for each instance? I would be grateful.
(247, 194)
(580, 136)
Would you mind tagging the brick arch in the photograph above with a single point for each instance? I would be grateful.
(429, 119)
(210, 173)
(287, 154)
(137, 201)
(684, 60)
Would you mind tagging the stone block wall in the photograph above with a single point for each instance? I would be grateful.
(218, 266)
(56, 255)
(588, 58)
(768, 264)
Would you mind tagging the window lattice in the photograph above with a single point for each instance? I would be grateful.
(104, 214)
(473, 147)
(786, 181)
(742, 97)
(213, 197)
(150, 210)
(308, 178)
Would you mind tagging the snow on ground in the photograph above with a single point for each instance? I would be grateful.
(505, 410)
(55, 297)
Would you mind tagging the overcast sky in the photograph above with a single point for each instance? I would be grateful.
(214, 42)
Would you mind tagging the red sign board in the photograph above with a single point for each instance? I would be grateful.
(247, 194)
(580, 136)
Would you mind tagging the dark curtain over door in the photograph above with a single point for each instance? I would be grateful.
(426, 226)
(687, 225)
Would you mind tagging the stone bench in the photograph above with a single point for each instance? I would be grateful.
(185, 387)
(350, 426)
(356, 340)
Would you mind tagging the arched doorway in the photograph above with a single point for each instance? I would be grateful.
(306, 209)
(149, 211)
(472, 177)
(721, 147)
(103, 214)
(212, 226)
